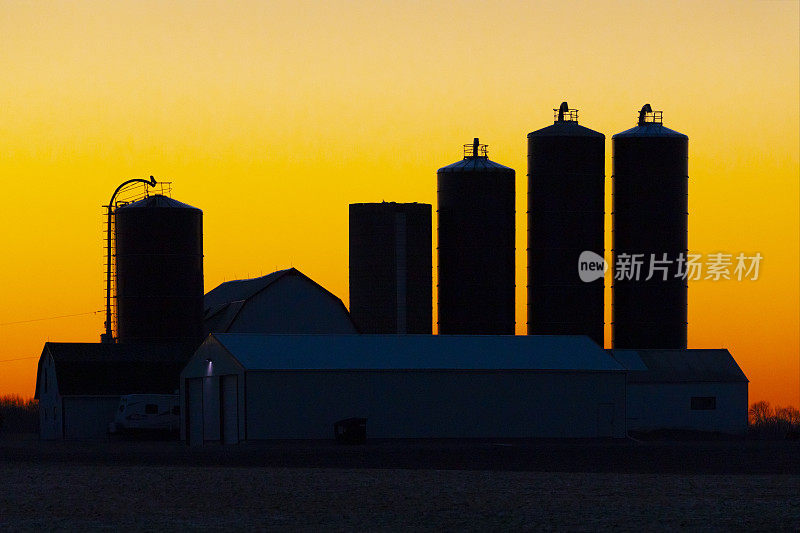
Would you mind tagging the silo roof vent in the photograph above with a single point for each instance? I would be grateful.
(565, 114)
(475, 149)
(648, 116)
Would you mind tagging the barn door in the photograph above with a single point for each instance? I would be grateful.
(193, 411)
(211, 409)
(229, 409)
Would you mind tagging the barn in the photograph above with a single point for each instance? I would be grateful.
(79, 385)
(686, 390)
(286, 301)
(256, 387)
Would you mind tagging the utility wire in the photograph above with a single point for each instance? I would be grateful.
(50, 318)
(40, 320)
(18, 359)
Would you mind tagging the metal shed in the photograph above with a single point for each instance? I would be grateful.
(255, 387)
(694, 390)
(79, 384)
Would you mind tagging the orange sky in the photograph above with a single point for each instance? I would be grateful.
(273, 116)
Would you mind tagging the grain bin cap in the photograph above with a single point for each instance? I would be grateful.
(157, 201)
(475, 160)
(650, 125)
(565, 124)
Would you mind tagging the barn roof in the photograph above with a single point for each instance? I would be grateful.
(680, 366)
(241, 289)
(393, 352)
(223, 303)
(115, 369)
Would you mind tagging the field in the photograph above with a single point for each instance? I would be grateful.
(421, 486)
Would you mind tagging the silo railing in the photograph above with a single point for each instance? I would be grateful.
(475, 149)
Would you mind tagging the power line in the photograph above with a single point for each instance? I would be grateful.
(50, 318)
(18, 359)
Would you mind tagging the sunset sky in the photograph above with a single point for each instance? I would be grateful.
(273, 116)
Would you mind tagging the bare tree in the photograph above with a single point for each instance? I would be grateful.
(760, 413)
(789, 414)
(18, 415)
(778, 422)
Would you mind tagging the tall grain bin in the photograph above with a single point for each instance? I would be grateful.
(650, 219)
(476, 245)
(391, 267)
(566, 172)
(159, 270)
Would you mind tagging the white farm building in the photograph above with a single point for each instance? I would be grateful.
(255, 387)
(689, 390)
(79, 384)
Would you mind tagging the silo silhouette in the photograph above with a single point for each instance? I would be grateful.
(159, 270)
(476, 245)
(565, 218)
(650, 220)
(391, 267)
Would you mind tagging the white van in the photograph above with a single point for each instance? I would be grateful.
(147, 412)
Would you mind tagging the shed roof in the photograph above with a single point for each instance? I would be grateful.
(416, 352)
(680, 366)
(115, 369)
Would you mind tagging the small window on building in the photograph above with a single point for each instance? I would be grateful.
(176, 410)
(150, 409)
(704, 403)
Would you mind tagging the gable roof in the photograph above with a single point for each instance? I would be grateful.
(115, 369)
(224, 302)
(680, 366)
(409, 352)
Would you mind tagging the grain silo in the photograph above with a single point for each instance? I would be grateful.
(566, 171)
(391, 267)
(476, 245)
(650, 219)
(159, 270)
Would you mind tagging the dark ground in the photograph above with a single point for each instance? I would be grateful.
(619, 456)
(417, 485)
